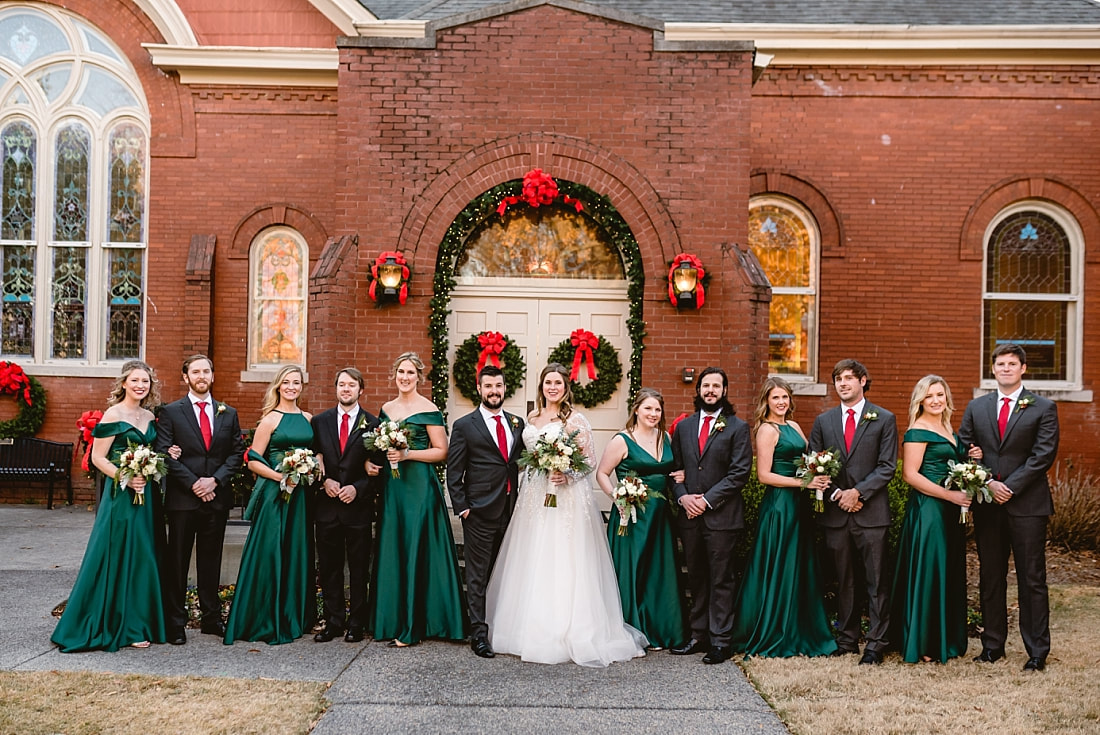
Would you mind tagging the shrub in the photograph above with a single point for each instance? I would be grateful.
(1075, 524)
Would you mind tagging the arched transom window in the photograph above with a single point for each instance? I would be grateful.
(1032, 290)
(279, 266)
(784, 238)
(73, 189)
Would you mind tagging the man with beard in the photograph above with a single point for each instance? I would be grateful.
(344, 508)
(197, 496)
(714, 450)
(482, 478)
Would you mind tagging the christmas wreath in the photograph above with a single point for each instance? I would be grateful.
(595, 355)
(488, 348)
(29, 395)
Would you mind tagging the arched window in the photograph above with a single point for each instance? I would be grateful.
(279, 268)
(1032, 291)
(73, 234)
(784, 237)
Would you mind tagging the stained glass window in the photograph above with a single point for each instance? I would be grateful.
(74, 149)
(279, 261)
(783, 237)
(1030, 292)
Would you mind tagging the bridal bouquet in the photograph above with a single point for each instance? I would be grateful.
(388, 435)
(973, 479)
(139, 460)
(629, 496)
(298, 466)
(560, 454)
(814, 464)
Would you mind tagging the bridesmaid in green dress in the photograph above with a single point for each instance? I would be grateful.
(116, 600)
(928, 618)
(644, 559)
(274, 601)
(418, 590)
(780, 611)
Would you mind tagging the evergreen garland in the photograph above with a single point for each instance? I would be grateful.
(30, 417)
(465, 368)
(609, 372)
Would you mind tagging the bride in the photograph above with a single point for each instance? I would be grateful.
(553, 596)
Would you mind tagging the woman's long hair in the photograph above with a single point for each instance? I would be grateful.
(271, 395)
(920, 392)
(567, 399)
(118, 391)
(760, 413)
(643, 395)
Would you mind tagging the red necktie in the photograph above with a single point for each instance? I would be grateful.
(343, 431)
(704, 433)
(204, 424)
(502, 444)
(849, 429)
(1002, 417)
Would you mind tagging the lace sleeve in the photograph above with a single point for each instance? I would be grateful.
(578, 423)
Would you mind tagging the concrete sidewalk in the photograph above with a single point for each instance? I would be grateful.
(432, 687)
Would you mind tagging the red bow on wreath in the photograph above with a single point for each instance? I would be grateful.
(695, 263)
(86, 423)
(14, 381)
(399, 259)
(584, 342)
(538, 189)
(491, 344)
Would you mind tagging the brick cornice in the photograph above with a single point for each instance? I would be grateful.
(940, 81)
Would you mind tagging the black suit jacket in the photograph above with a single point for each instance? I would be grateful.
(477, 474)
(347, 467)
(177, 424)
(1021, 459)
(719, 474)
(868, 467)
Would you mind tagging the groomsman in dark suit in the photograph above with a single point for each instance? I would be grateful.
(714, 449)
(1018, 435)
(197, 496)
(482, 479)
(857, 515)
(344, 508)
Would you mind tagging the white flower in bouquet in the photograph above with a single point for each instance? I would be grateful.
(971, 478)
(389, 435)
(561, 454)
(630, 496)
(139, 460)
(826, 462)
(299, 467)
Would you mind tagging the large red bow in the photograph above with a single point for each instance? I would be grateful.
(584, 342)
(491, 344)
(399, 259)
(538, 189)
(14, 381)
(695, 263)
(86, 423)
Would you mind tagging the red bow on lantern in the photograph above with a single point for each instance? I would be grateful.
(491, 344)
(86, 423)
(399, 259)
(695, 263)
(538, 189)
(14, 381)
(584, 342)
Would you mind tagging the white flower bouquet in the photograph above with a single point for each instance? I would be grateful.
(630, 496)
(560, 454)
(139, 460)
(971, 478)
(299, 466)
(388, 435)
(826, 462)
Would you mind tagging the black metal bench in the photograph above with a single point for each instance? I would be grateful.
(37, 460)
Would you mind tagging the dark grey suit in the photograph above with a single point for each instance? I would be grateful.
(868, 467)
(1020, 460)
(478, 479)
(710, 540)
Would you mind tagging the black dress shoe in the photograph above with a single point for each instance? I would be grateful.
(871, 657)
(214, 627)
(844, 652)
(692, 646)
(1035, 664)
(354, 635)
(177, 637)
(989, 655)
(328, 634)
(482, 648)
(718, 654)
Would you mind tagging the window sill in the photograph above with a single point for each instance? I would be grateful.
(1058, 395)
(265, 375)
(802, 388)
(71, 371)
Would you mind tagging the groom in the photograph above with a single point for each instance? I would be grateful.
(482, 478)
(857, 515)
(1018, 433)
(197, 496)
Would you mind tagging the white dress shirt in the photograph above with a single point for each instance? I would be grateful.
(209, 409)
(491, 423)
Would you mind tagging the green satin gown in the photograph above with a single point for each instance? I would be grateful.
(780, 610)
(116, 600)
(928, 617)
(418, 590)
(275, 601)
(644, 559)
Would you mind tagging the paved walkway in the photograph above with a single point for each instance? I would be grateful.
(433, 687)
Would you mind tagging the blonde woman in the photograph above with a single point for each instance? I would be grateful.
(116, 600)
(274, 601)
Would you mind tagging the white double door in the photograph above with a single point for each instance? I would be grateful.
(538, 316)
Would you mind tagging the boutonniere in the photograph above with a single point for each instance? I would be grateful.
(870, 416)
(221, 409)
(719, 424)
(1024, 402)
(514, 421)
(361, 423)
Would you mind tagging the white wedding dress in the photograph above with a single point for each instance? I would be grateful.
(553, 596)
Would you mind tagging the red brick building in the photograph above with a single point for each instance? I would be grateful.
(915, 184)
